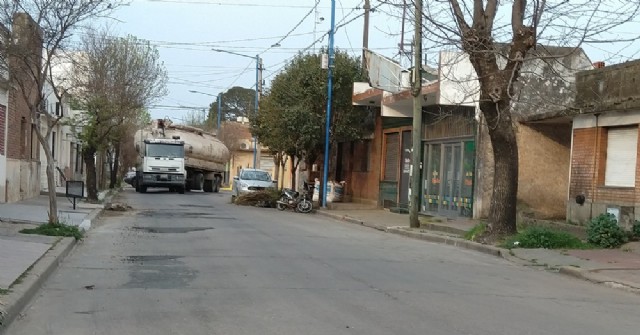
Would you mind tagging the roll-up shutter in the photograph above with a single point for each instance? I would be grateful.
(622, 149)
(391, 158)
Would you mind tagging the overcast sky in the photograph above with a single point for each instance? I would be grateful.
(185, 31)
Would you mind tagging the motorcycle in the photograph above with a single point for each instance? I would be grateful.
(299, 202)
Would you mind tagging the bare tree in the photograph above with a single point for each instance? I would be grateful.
(114, 79)
(51, 23)
(498, 37)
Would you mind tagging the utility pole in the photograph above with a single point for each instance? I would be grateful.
(257, 157)
(416, 90)
(327, 146)
(219, 113)
(257, 106)
(365, 35)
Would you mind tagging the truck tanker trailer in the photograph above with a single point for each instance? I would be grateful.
(180, 158)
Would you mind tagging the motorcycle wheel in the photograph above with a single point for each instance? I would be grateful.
(304, 206)
(281, 206)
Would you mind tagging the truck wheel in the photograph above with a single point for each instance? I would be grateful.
(143, 189)
(216, 185)
(209, 186)
(198, 182)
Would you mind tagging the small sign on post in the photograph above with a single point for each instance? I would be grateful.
(75, 190)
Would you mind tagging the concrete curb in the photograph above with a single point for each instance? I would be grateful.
(583, 274)
(457, 242)
(591, 276)
(491, 250)
(85, 225)
(343, 218)
(22, 293)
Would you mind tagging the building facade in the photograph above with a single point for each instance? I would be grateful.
(457, 158)
(22, 176)
(605, 170)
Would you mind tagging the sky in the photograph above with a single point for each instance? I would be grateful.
(186, 31)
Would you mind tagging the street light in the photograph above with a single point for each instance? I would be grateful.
(258, 85)
(219, 104)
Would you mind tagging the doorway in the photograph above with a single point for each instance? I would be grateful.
(448, 178)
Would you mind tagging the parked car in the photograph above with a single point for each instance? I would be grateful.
(130, 178)
(251, 180)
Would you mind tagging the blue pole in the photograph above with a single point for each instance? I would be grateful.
(219, 110)
(255, 139)
(329, 97)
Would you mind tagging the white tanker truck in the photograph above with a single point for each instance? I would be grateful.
(180, 158)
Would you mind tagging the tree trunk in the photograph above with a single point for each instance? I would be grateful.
(51, 185)
(283, 163)
(293, 174)
(51, 182)
(502, 212)
(276, 159)
(88, 154)
(116, 167)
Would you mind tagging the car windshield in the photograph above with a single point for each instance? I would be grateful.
(165, 150)
(255, 175)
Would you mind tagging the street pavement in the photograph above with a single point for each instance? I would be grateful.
(615, 268)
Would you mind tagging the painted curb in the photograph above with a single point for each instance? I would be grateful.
(88, 220)
(21, 294)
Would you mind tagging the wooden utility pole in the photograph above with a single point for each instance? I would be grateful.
(416, 90)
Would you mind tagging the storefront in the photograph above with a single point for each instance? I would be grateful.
(449, 162)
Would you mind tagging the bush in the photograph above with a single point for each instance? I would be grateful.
(55, 229)
(604, 232)
(476, 231)
(635, 230)
(541, 237)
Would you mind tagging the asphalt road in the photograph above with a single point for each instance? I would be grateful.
(195, 264)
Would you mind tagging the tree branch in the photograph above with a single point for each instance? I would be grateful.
(459, 16)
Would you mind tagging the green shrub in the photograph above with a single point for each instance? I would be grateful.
(55, 229)
(604, 232)
(476, 231)
(541, 237)
(635, 230)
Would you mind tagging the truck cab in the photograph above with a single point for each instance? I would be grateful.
(162, 165)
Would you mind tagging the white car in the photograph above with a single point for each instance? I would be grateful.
(251, 180)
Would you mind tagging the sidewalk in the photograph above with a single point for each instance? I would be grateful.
(27, 260)
(618, 268)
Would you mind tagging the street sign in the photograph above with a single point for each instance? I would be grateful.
(75, 190)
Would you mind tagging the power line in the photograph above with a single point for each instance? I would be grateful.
(217, 3)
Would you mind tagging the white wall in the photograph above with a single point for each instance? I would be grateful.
(62, 145)
(458, 80)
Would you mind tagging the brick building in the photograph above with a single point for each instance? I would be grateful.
(4, 124)
(604, 166)
(21, 179)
